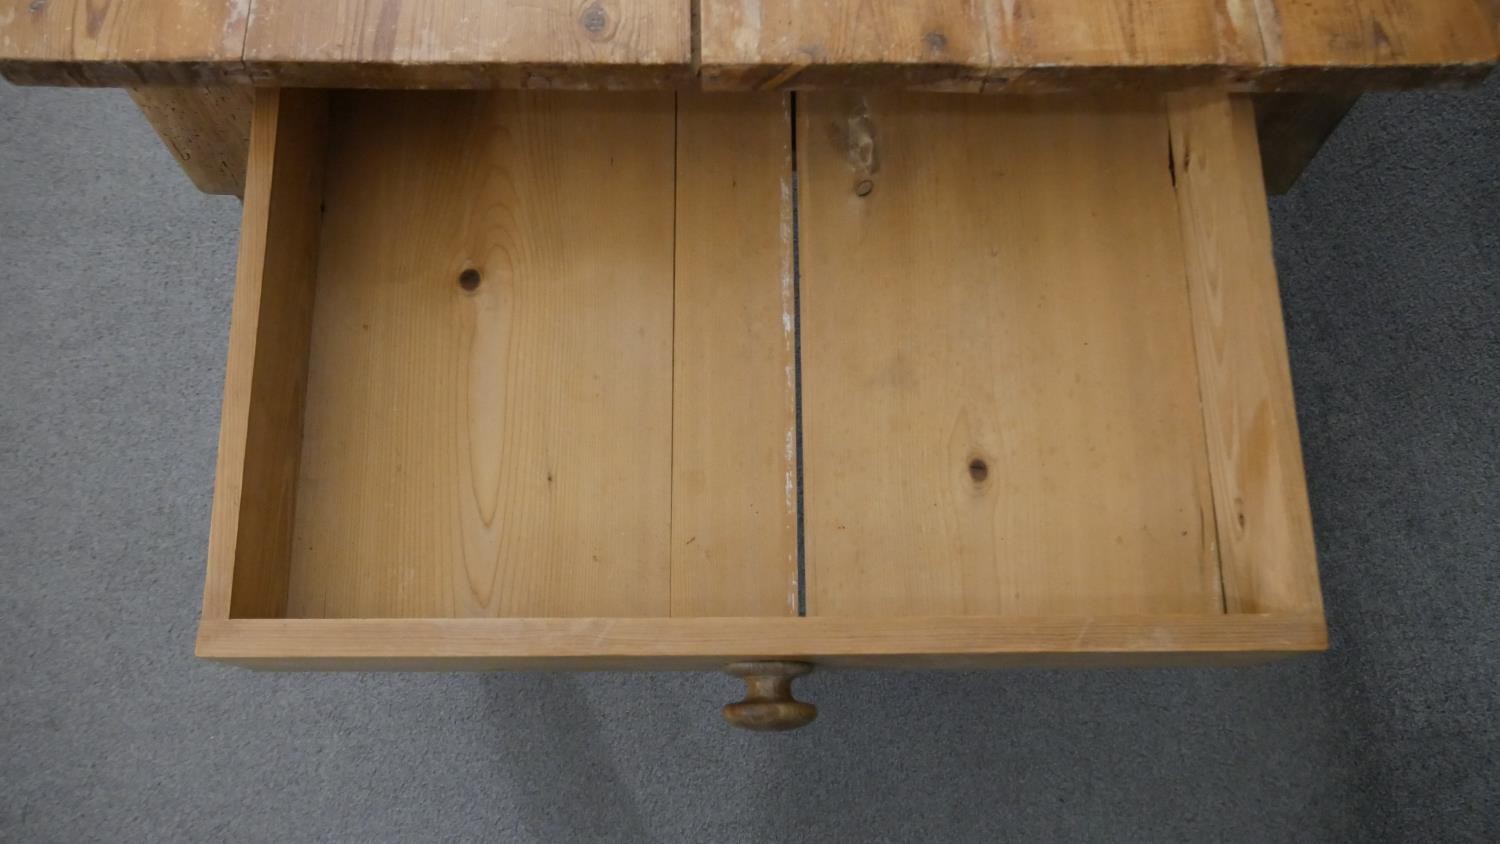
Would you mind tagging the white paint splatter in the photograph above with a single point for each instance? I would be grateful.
(747, 30)
(233, 34)
(791, 470)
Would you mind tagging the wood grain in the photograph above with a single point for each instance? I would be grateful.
(488, 429)
(1069, 44)
(1043, 46)
(759, 44)
(734, 460)
(206, 129)
(1010, 461)
(709, 643)
(1379, 41)
(1000, 407)
(1260, 495)
(261, 420)
(470, 43)
(122, 42)
(1012, 45)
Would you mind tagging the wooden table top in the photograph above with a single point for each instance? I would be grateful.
(1036, 45)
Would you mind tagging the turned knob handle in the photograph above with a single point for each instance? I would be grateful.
(768, 703)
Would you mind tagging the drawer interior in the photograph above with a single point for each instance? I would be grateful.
(602, 355)
(488, 423)
(1001, 403)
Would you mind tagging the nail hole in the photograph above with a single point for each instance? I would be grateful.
(978, 470)
(469, 280)
(864, 187)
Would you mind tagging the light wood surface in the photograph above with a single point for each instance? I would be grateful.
(1011, 45)
(122, 42)
(1374, 34)
(734, 460)
(1071, 43)
(807, 43)
(1043, 375)
(261, 420)
(1000, 406)
(470, 43)
(489, 428)
(1260, 494)
(711, 643)
(206, 129)
(1068, 45)
(505, 449)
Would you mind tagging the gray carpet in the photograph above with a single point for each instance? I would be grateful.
(115, 283)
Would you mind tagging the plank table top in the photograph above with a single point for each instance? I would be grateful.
(973, 45)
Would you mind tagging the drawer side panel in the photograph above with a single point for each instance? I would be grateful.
(264, 382)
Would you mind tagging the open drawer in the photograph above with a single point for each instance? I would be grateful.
(656, 380)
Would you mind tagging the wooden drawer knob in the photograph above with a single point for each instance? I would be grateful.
(768, 705)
